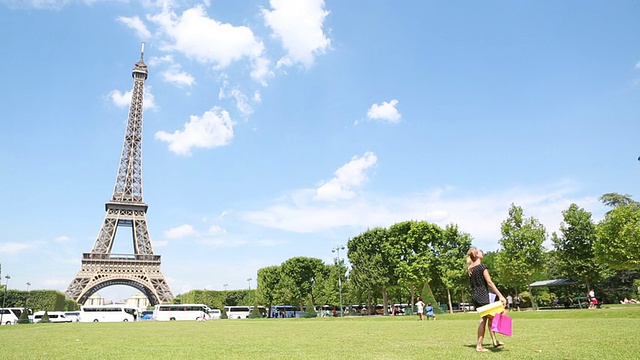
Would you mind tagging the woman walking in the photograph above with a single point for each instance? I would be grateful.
(480, 285)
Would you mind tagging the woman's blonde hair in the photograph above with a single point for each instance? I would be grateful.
(472, 255)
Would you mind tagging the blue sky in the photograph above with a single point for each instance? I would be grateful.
(282, 128)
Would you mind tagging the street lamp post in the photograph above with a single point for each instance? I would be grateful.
(337, 250)
(249, 281)
(26, 303)
(6, 285)
(225, 287)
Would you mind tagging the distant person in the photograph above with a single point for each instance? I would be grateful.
(480, 285)
(509, 301)
(593, 302)
(429, 312)
(420, 306)
(517, 301)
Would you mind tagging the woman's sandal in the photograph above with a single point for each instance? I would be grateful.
(498, 345)
(482, 349)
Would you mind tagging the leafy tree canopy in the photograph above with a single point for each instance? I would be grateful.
(522, 252)
(618, 238)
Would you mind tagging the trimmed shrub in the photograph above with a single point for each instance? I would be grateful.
(24, 317)
(427, 297)
(310, 311)
(45, 318)
(255, 313)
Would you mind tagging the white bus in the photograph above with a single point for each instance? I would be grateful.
(108, 313)
(237, 312)
(10, 316)
(171, 312)
(54, 317)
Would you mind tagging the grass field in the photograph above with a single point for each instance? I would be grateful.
(607, 333)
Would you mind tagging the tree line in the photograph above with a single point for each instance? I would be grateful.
(412, 258)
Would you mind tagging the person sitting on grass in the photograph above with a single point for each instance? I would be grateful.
(428, 310)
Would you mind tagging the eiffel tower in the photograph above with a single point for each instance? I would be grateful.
(141, 270)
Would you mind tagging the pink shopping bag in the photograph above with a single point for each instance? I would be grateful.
(502, 323)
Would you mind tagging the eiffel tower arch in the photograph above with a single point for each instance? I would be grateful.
(141, 270)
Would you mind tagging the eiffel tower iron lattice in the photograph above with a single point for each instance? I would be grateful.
(141, 270)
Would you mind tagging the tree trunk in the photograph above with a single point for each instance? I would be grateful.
(449, 299)
(533, 300)
(385, 301)
(412, 296)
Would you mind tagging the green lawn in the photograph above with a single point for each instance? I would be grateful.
(607, 333)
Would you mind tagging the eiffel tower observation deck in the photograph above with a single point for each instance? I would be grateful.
(126, 209)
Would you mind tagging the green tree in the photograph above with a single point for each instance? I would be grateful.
(615, 200)
(450, 252)
(521, 254)
(268, 281)
(371, 269)
(298, 275)
(310, 311)
(574, 246)
(326, 289)
(410, 252)
(618, 238)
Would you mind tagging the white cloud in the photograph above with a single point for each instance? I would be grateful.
(299, 25)
(136, 24)
(638, 65)
(62, 239)
(175, 75)
(14, 247)
(180, 232)
(261, 70)
(480, 215)
(206, 40)
(213, 129)
(123, 100)
(242, 101)
(157, 60)
(386, 112)
(216, 230)
(348, 176)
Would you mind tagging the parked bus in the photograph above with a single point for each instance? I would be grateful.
(108, 313)
(10, 316)
(285, 311)
(171, 312)
(237, 312)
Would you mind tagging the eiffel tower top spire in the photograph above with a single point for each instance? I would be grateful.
(128, 187)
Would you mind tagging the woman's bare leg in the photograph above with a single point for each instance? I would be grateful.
(494, 339)
(481, 327)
